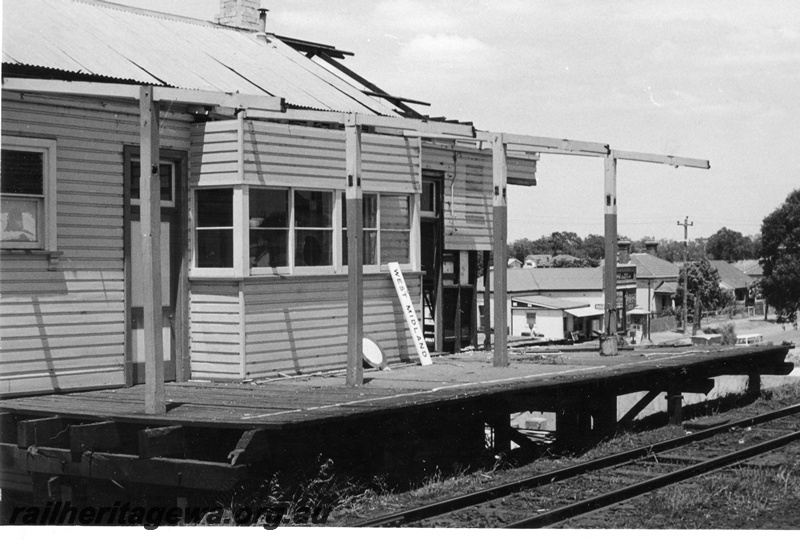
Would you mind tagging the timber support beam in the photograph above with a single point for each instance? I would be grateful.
(500, 241)
(355, 253)
(150, 205)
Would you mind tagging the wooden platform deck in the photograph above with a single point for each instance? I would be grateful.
(533, 376)
(406, 422)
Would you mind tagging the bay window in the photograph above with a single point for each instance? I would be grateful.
(295, 230)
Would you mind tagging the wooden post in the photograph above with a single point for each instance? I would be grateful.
(674, 407)
(150, 204)
(355, 253)
(438, 303)
(487, 300)
(610, 270)
(500, 216)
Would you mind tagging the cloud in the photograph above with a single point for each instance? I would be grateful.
(444, 49)
(414, 17)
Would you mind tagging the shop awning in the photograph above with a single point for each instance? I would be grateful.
(588, 311)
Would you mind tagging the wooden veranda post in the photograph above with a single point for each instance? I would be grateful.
(355, 253)
(150, 204)
(610, 270)
(500, 240)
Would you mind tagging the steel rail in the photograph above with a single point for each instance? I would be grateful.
(629, 492)
(488, 494)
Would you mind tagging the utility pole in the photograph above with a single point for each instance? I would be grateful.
(685, 226)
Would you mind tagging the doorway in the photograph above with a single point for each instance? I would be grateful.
(172, 169)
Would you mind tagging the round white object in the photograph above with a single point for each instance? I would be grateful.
(373, 354)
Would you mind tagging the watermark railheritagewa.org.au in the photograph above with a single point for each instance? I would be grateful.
(63, 513)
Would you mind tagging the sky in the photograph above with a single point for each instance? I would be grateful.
(716, 80)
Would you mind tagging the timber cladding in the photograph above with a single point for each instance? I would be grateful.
(64, 327)
(300, 156)
(468, 183)
(291, 324)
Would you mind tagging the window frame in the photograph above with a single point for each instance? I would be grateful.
(47, 202)
(241, 234)
(291, 268)
(174, 178)
(382, 265)
(210, 271)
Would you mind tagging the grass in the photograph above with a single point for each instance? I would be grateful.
(736, 498)
(321, 496)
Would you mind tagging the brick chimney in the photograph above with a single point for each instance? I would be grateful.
(651, 247)
(623, 251)
(239, 13)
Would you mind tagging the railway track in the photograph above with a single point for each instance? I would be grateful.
(546, 499)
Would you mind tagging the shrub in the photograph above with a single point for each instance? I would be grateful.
(728, 331)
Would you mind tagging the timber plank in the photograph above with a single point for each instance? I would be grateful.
(191, 474)
(95, 437)
(50, 431)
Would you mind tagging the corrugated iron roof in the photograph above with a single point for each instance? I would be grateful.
(652, 267)
(550, 302)
(551, 279)
(730, 276)
(104, 39)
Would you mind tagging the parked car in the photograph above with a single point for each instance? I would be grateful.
(749, 340)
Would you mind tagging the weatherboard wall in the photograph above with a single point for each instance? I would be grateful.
(258, 326)
(64, 328)
(468, 186)
(275, 154)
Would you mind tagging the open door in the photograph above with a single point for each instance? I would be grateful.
(431, 250)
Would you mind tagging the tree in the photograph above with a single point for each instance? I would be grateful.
(703, 283)
(594, 247)
(575, 263)
(519, 249)
(780, 257)
(728, 245)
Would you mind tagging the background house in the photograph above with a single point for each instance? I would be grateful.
(732, 279)
(751, 267)
(656, 280)
(574, 294)
(547, 317)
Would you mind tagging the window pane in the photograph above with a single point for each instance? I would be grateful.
(215, 248)
(395, 212)
(214, 207)
(19, 219)
(313, 248)
(370, 247)
(22, 172)
(428, 199)
(313, 208)
(370, 210)
(269, 208)
(165, 172)
(395, 246)
(269, 248)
